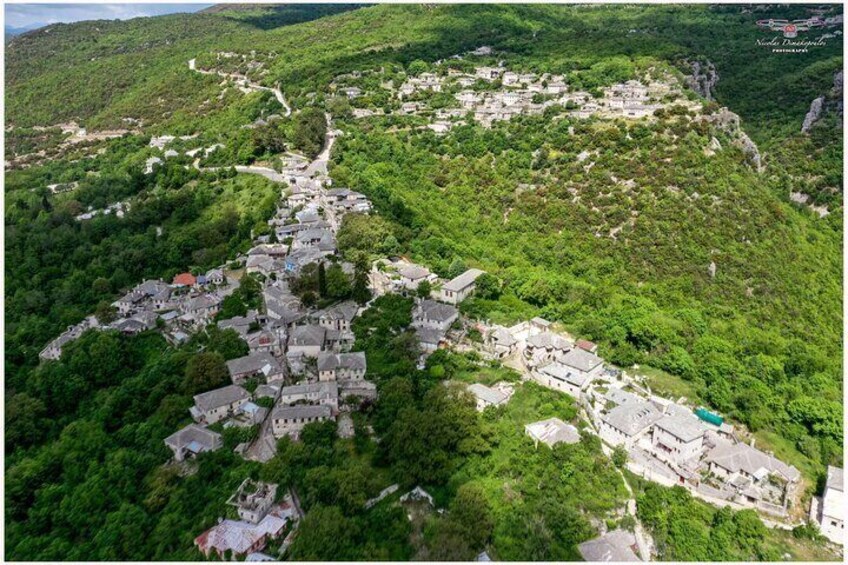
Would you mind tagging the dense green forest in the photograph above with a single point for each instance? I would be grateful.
(618, 252)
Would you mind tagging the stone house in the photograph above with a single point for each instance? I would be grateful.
(290, 420)
(259, 364)
(215, 405)
(457, 289)
(341, 366)
(625, 424)
(193, 440)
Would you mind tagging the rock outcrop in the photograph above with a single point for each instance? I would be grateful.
(728, 122)
(702, 79)
(829, 102)
(813, 115)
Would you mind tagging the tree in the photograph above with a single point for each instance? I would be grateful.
(325, 535)
(471, 512)
(360, 292)
(457, 267)
(487, 287)
(105, 312)
(619, 457)
(322, 280)
(338, 285)
(424, 289)
(205, 371)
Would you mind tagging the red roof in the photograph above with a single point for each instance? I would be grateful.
(186, 279)
(586, 345)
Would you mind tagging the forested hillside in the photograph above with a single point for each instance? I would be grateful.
(659, 239)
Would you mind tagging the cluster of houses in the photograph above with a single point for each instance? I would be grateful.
(263, 518)
(187, 303)
(665, 441)
(496, 93)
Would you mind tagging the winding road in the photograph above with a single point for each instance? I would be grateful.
(192, 65)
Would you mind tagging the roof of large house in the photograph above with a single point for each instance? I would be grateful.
(835, 479)
(220, 397)
(565, 373)
(552, 431)
(345, 311)
(329, 388)
(259, 361)
(432, 310)
(616, 545)
(462, 281)
(743, 457)
(202, 302)
(302, 411)
(548, 340)
(193, 433)
(429, 335)
(413, 272)
(619, 396)
(685, 428)
(487, 394)
(151, 287)
(632, 418)
(307, 335)
(581, 360)
(331, 361)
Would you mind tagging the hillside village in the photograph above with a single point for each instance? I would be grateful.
(303, 365)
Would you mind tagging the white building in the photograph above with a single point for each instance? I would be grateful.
(487, 396)
(625, 424)
(551, 432)
(678, 438)
(829, 510)
(215, 405)
(290, 420)
(456, 290)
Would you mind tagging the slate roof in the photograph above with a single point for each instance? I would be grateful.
(552, 431)
(429, 335)
(309, 335)
(835, 479)
(487, 394)
(616, 545)
(193, 433)
(324, 390)
(632, 418)
(332, 361)
(743, 457)
(619, 396)
(685, 428)
(436, 311)
(581, 360)
(220, 397)
(259, 361)
(548, 340)
(413, 272)
(345, 311)
(302, 411)
(462, 281)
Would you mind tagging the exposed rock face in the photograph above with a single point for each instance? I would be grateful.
(829, 102)
(711, 270)
(728, 122)
(813, 115)
(703, 79)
